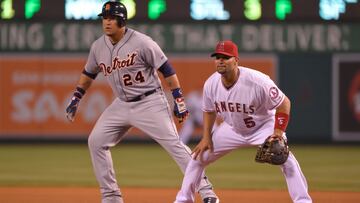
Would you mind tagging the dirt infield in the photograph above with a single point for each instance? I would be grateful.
(159, 195)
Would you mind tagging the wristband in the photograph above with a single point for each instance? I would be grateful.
(79, 92)
(281, 121)
(176, 93)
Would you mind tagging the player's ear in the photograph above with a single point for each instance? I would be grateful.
(236, 61)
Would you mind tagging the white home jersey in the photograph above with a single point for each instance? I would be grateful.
(248, 105)
(129, 66)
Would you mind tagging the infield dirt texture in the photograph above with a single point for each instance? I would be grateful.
(161, 195)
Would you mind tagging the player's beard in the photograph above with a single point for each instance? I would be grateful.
(109, 32)
(114, 34)
(221, 69)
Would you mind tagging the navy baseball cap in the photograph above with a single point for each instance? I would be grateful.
(227, 48)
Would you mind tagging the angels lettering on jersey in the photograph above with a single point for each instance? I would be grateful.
(118, 64)
(249, 109)
(246, 112)
(224, 106)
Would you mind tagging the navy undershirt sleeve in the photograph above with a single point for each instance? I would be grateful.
(166, 69)
(90, 75)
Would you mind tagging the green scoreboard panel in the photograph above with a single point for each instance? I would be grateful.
(184, 11)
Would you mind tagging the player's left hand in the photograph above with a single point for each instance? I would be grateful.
(274, 150)
(180, 109)
(276, 136)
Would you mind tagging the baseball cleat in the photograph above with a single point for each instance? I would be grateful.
(211, 200)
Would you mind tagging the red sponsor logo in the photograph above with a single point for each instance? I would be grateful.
(354, 96)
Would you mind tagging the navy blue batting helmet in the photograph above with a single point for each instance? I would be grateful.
(117, 9)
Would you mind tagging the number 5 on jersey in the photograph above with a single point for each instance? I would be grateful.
(249, 122)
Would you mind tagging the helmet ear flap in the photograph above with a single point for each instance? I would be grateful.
(120, 21)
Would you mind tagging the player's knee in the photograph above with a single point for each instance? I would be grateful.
(205, 159)
(93, 143)
(97, 143)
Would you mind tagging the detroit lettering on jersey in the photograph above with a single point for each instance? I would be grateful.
(224, 106)
(118, 64)
(129, 66)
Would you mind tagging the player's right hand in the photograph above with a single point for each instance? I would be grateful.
(204, 145)
(72, 108)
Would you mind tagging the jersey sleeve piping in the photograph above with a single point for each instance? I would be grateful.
(130, 35)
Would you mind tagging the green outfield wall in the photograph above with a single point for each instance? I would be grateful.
(179, 38)
(316, 65)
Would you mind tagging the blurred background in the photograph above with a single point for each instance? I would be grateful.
(310, 48)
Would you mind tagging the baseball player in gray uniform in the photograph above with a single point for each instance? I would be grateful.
(129, 61)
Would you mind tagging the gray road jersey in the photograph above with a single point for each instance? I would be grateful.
(129, 66)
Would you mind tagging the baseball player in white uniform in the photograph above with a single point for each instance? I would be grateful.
(129, 61)
(252, 108)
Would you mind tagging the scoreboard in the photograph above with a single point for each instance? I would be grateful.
(185, 11)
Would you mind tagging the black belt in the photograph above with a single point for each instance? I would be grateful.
(140, 97)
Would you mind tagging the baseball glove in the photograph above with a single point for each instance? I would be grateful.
(274, 152)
